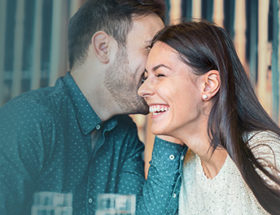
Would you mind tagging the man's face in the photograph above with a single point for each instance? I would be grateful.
(124, 77)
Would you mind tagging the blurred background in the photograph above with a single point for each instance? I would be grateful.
(33, 44)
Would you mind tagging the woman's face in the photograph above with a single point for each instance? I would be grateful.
(172, 91)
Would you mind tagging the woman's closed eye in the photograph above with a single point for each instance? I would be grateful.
(160, 75)
(145, 76)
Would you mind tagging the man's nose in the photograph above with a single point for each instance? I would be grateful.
(146, 89)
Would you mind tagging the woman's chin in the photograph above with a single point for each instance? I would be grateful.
(160, 131)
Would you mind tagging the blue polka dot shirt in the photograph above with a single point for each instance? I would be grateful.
(46, 145)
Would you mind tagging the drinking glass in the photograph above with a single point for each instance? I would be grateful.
(116, 204)
(52, 203)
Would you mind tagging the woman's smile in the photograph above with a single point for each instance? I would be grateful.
(158, 109)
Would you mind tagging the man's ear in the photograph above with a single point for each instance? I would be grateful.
(100, 42)
(211, 84)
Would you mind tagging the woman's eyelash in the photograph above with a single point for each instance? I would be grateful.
(145, 76)
(160, 75)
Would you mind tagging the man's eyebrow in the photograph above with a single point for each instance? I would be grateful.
(158, 66)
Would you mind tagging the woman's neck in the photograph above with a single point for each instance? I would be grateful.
(199, 143)
(212, 163)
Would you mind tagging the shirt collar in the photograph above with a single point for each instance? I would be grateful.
(86, 116)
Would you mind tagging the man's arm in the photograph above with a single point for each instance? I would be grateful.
(161, 189)
(21, 157)
(159, 193)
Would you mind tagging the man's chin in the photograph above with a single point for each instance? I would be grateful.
(144, 112)
(141, 109)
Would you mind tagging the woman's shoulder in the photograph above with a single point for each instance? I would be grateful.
(265, 145)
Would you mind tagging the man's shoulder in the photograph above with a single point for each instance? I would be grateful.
(126, 127)
(36, 104)
(125, 122)
(127, 134)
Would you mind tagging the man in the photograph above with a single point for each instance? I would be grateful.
(74, 137)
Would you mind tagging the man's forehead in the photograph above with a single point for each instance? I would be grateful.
(143, 29)
(144, 17)
(147, 24)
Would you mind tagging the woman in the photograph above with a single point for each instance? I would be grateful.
(198, 92)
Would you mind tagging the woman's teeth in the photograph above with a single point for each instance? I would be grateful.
(157, 109)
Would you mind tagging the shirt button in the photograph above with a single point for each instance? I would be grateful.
(182, 157)
(171, 157)
(174, 195)
(90, 200)
(97, 127)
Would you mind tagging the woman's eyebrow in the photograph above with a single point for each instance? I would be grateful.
(158, 66)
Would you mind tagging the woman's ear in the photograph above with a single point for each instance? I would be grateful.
(100, 42)
(211, 84)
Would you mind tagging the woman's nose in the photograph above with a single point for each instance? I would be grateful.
(146, 89)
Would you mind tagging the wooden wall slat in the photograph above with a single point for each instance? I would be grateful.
(253, 26)
(58, 58)
(18, 48)
(240, 30)
(262, 53)
(175, 11)
(3, 14)
(37, 45)
(218, 14)
(275, 61)
(196, 9)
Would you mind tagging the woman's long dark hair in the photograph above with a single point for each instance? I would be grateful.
(236, 110)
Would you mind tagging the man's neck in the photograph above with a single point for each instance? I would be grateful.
(92, 87)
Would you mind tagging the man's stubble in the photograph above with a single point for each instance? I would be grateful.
(122, 84)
